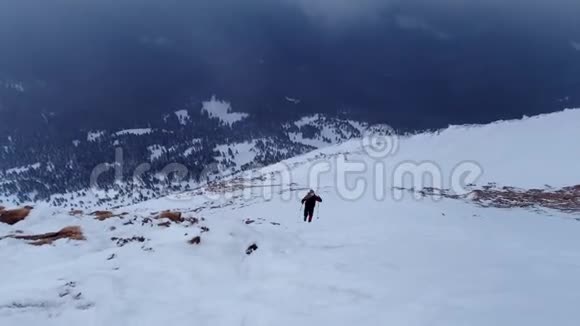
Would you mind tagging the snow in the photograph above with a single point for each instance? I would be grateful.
(95, 135)
(222, 111)
(197, 145)
(364, 261)
(23, 168)
(527, 153)
(331, 131)
(292, 100)
(244, 153)
(156, 151)
(76, 143)
(182, 116)
(136, 132)
(316, 142)
(307, 120)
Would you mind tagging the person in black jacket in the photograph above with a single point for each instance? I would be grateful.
(309, 202)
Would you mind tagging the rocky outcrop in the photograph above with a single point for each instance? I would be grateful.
(195, 240)
(71, 232)
(566, 199)
(14, 216)
(105, 215)
(173, 216)
(102, 215)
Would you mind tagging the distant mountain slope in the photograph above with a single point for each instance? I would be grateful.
(206, 141)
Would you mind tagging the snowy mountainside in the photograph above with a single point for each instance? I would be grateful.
(213, 135)
(319, 130)
(240, 253)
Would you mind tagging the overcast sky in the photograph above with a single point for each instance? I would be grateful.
(251, 49)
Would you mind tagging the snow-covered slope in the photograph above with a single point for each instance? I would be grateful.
(222, 111)
(374, 257)
(319, 131)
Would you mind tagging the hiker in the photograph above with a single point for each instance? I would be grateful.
(309, 201)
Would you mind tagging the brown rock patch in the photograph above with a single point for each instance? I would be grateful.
(102, 215)
(566, 199)
(105, 215)
(173, 216)
(14, 216)
(71, 232)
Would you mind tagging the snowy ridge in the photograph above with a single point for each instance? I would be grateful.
(23, 168)
(319, 131)
(135, 132)
(94, 135)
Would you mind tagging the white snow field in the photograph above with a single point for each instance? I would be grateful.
(222, 111)
(363, 261)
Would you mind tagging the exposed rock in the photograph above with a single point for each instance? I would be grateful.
(173, 216)
(195, 241)
(14, 216)
(565, 199)
(253, 247)
(71, 232)
(123, 241)
(76, 212)
(192, 220)
(102, 215)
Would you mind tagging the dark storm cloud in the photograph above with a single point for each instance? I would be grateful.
(50, 20)
(377, 54)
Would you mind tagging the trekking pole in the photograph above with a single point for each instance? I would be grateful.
(318, 206)
(317, 211)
